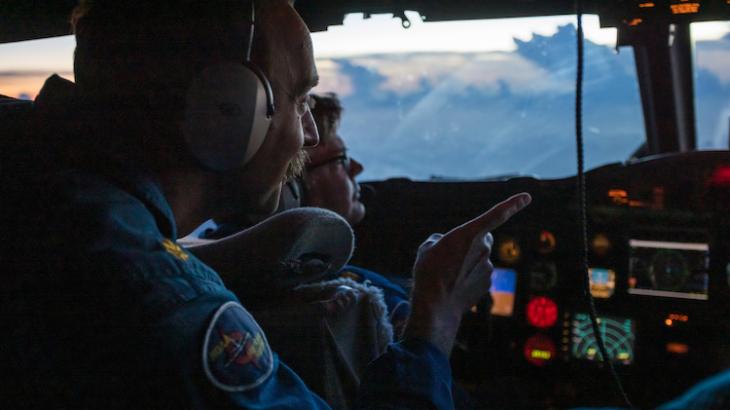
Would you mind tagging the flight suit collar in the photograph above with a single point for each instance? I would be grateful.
(58, 106)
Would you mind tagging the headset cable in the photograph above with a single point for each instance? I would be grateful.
(581, 182)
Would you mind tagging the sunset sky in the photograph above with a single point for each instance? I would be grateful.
(25, 65)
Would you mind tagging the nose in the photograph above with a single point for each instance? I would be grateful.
(356, 168)
(311, 135)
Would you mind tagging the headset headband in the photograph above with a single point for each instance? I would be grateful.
(270, 106)
(252, 24)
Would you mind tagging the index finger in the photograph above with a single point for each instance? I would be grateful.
(496, 216)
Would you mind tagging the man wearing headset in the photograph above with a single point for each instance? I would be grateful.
(165, 128)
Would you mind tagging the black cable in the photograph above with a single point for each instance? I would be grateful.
(581, 182)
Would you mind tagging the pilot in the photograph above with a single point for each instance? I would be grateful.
(103, 309)
(329, 182)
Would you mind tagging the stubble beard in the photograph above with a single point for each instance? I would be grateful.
(296, 166)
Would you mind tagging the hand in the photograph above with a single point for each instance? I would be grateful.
(340, 299)
(452, 272)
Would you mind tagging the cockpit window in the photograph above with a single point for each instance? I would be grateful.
(25, 65)
(478, 99)
(712, 83)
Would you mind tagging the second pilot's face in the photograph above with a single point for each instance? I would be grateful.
(330, 180)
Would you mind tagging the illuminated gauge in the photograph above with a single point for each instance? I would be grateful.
(602, 282)
(547, 242)
(617, 333)
(668, 270)
(542, 312)
(509, 251)
(543, 276)
(601, 245)
(539, 350)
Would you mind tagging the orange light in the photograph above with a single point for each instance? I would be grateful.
(685, 8)
(658, 197)
(677, 348)
(601, 244)
(669, 322)
(647, 5)
(637, 204)
(635, 22)
(619, 196)
(678, 317)
(509, 251)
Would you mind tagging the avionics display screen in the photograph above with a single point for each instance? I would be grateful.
(602, 282)
(504, 282)
(618, 336)
(669, 269)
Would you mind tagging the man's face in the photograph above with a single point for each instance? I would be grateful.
(292, 74)
(330, 180)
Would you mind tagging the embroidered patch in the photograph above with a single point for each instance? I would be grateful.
(236, 354)
(175, 250)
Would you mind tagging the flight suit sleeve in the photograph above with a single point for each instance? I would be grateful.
(712, 393)
(231, 365)
(412, 374)
(221, 359)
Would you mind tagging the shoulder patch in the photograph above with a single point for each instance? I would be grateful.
(236, 354)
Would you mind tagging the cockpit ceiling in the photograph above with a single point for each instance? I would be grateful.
(26, 19)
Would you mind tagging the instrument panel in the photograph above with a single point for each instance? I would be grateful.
(659, 246)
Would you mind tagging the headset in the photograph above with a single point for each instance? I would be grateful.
(228, 111)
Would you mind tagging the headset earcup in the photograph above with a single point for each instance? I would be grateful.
(226, 117)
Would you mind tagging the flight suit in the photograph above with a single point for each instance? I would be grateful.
(108, 311)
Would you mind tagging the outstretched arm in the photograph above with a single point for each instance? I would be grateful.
(451, 273)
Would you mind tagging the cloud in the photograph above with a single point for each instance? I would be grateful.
(717, 62)
(410, 73)
(331, 79)
(25, 83)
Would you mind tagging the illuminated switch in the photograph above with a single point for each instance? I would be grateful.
(509, 251)
(675, 318)
(539, 350)
(685, 8)
(542, 312)
(546, 242)
(620, 196)
(601, 245)
(677, 348)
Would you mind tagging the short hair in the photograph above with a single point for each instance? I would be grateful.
(125, 48)
(327, 112)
